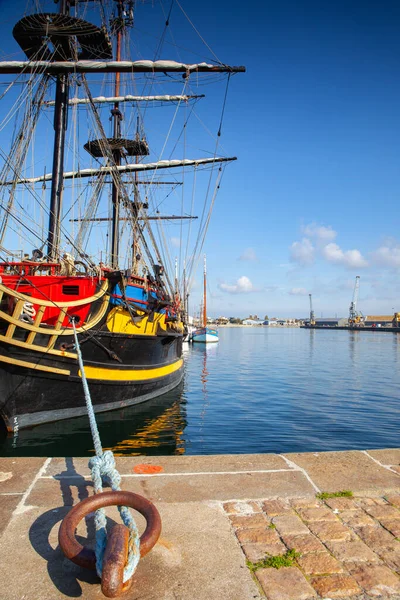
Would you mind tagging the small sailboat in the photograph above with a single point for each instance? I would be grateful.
(205, 334)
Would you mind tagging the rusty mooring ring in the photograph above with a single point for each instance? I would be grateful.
(85, 557)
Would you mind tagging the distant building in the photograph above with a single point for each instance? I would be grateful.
(222, 320)
(383, 320)
(252, 322)
(329, 322)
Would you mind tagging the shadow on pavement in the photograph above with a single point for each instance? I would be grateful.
(64, 574)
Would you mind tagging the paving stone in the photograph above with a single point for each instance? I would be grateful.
(319, 564)
(341, 503)
(304, 543)
(392, 525)
(17, 474)
(395, 500)
(365, 502)
(288, 524)
(210, 463)
(8, 503)
(287, 583)
(241, 508)
(327, 531)
(310, 502)
(383, 512)
(356, 518)
(391, 558)
(269, 536)
(390, 456)
(378, 538)
(256, 552)
(224, 487)
(336, 471)
(274, 508)
(353, 551)
(248, 521)
(376, 580)
(336, 586)
(317, 514)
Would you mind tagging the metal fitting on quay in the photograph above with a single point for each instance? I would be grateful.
(116, 552)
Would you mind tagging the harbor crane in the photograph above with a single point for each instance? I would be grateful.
(355, 317)
(312, 316)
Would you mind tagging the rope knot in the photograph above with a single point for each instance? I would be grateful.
(104, 471)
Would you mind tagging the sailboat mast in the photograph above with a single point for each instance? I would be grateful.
(205, 295)
(117, 117)
(57, 183)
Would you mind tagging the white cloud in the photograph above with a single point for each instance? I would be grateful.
(248, 254)
(387, 256)
(175, 242)
(302, 252)
(319, 232)
(353, 259)
(242, 286)
(298, 292)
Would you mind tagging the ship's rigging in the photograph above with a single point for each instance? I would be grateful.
(118, 158)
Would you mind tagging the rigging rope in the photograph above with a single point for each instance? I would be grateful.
(103, 470)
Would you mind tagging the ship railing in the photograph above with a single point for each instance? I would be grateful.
(33, 326)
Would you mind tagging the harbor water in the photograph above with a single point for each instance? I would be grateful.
(257, 390)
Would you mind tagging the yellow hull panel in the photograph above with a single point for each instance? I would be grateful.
(131, 374)
(119, 321)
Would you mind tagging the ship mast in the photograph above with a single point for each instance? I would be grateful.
(57, 183)
(116, 115)
(60, 44)
(205, 295)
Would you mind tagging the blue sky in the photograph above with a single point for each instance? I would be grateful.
(315, 122)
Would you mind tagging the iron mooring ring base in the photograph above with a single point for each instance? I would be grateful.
(117, 545)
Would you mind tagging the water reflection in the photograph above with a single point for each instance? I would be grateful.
(312, 333)
(396, 347)
(205, 352)
(354, 339)
(153, 427)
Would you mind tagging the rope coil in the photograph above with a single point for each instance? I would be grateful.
(103, 471)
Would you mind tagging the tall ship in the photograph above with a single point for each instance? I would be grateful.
(86, 167)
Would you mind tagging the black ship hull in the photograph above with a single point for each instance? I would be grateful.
(133, 371)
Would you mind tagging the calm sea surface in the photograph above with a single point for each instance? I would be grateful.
(257, 390)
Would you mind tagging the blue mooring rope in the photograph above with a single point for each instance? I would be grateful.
(103, 470)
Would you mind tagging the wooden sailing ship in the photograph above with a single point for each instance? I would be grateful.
(126, 310)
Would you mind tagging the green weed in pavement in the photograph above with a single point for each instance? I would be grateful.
(275, 562)
(343, 494)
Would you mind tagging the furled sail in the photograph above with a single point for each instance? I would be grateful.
(112, 66)
(162, 164)
(128, 98)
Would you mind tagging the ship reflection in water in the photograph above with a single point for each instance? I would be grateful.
(154, 427)
(201, 385)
